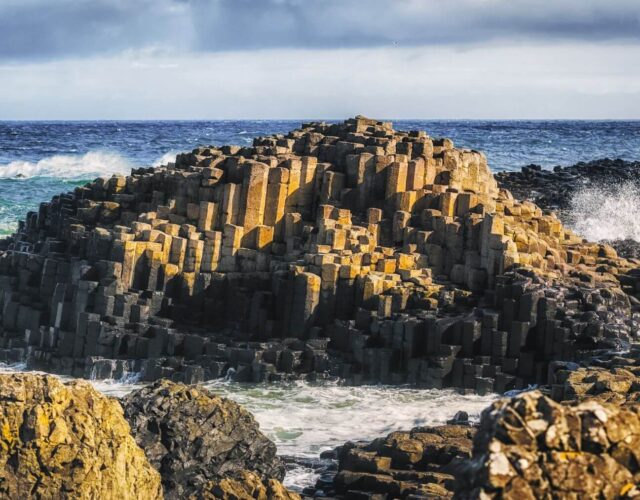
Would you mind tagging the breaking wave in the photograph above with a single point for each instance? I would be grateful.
(169, 157)
(90, 165)
(606, 213)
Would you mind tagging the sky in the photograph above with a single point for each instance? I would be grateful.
(261, 59)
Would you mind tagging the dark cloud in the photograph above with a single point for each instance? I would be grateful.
(46, 29)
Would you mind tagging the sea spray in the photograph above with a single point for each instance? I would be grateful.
(606, 212)
(87, 166)
(169, 157)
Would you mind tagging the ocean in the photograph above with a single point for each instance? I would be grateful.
(41, 159)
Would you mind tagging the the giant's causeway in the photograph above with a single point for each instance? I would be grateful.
(348, 251)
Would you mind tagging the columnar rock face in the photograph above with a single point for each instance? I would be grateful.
(348, 249)
(530, 447)
(68, 441)
(192, 437)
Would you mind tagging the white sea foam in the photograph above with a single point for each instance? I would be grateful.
(86, 166)
(8, 227)
(304, 419)
(606, 213)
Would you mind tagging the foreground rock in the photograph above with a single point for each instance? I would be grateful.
(417, 464)
(68, 441)
(530, 447)
(347, 250)
(192, 437)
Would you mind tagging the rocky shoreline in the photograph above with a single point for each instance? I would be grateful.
(349, 251)
(555, 189)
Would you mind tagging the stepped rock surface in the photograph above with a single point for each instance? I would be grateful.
(346, 250)
(530, 447)
(192, 437)
(68, 441)
(418, 464)
(610, 378)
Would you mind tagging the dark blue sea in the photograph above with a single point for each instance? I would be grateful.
(40, 159)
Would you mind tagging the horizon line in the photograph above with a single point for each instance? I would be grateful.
(133, 120)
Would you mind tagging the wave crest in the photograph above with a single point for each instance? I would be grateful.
(90, 165)
(607, 213)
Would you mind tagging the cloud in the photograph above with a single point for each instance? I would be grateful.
(491, 81)
(46, 30)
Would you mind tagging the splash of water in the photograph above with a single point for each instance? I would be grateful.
(169, 157)
(86, 166)
(606, 213)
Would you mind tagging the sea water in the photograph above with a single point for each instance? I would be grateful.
(306, 419)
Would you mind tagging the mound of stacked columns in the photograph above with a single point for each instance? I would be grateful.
(349, 250)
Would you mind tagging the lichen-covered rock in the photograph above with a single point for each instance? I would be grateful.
(244, 486)
(192, 436)
(530, 447)
(68, 441)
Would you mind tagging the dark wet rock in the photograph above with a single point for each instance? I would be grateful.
(413, 464)
(460, 418)
(192, 436)
(553, 189)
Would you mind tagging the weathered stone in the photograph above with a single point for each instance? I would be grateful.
(244, 486)
(531, 446)
(68, 440)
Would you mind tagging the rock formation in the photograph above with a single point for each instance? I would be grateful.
(416, 464)
(531, 447)
(350, 250)
(68, 441)
(192, 437)
(611, 377)
(555, 189)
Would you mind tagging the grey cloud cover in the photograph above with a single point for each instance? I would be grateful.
(50, 29)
